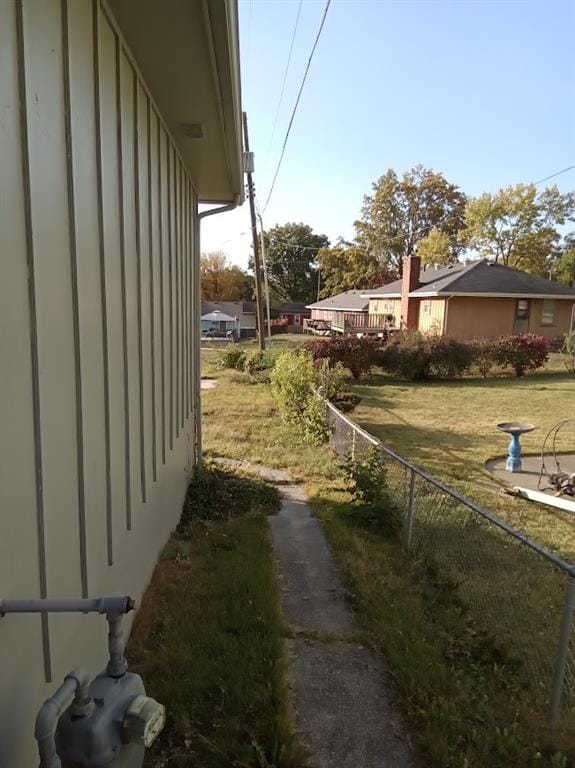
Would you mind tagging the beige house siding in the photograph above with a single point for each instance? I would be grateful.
(322, 314)
(431, 315)
(385, 307)
(469, 317)
(97, 312)
(563, 309)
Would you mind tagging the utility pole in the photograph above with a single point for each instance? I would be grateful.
(265, 268)
(259, 305)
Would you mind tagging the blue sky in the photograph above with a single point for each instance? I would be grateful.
(481, 90)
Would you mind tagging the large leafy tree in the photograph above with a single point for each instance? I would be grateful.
(346, 266)
(564, 264)
(223, 281)
(436, 248)
(402, 211)
(291, 255)
(517, 226)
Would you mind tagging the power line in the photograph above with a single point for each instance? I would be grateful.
(305, 74)
(284, 79)
(554, 174)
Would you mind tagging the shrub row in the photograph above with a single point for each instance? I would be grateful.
(416, 357)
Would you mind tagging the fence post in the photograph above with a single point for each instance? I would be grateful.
(410, 509)
(562, 650)
(353, 436)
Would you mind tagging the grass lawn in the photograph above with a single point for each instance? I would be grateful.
(448, 428)
(208, 642)
(467, 689)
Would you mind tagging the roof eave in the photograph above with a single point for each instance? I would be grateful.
(469, 294)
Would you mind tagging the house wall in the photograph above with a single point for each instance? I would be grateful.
(469, 318)
(322, 314)
(97, 308)
(431, 314)
(386, 307)
(562, 322)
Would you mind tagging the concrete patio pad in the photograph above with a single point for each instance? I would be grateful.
(531, 468)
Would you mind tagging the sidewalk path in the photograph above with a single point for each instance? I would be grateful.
(342, 709)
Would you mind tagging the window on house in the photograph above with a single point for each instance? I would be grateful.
(522, 310)
(388, 307)
(548, 312)
(427, 307)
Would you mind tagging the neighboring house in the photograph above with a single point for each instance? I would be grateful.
(117, 119)
(219, 325)
(243, 311)
(479, 299)
(293, 314)
(346, 312)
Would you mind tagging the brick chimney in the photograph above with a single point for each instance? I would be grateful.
(410, 282)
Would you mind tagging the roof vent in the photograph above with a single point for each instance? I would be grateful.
(192, 130)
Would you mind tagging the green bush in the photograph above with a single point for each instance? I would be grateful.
(232, 357)
(367, 478)
(219, 494)
(259, 364)
(484, 357)
(293, 380)
(356, 354)
(299, 385)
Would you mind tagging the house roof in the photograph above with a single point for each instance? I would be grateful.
(348, 301)
(479, 278)
(188, 54)
(231, 308)
(217, 316)
(294, 307)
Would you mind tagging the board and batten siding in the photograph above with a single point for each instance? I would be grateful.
(98, 300)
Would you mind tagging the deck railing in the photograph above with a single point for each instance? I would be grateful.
(361, 321)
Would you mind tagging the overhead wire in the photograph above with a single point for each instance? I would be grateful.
(570, 168)
(282, 90)
(293, 114)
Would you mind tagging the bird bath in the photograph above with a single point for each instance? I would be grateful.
(515, 429)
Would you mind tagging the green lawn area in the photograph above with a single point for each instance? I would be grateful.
(448, 428)
(208, 639)
(468, 640)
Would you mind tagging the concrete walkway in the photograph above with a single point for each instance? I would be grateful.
(342, 709)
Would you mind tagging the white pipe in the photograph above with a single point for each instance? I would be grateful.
(558, 502)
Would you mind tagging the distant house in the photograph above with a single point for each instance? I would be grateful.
(346, 312)
(479, 299)
(244, 312)
(293, 314)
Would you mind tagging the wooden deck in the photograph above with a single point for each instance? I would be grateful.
(359, 322)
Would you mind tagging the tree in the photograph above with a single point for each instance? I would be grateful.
(435, 248)
(347, 266)
(223, 281)
(564, 265)
(291, 254)
(516, 226)
(401, 212)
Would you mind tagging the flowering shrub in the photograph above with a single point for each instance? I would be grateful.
(522, 353)
(358, 355)
(416, 357)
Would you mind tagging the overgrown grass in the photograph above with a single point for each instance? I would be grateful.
(449, 428)
(208, 637)
(465, 684)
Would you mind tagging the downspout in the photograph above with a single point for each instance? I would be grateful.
(197, 323)
(445, 315)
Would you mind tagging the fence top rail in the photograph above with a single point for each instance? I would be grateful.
(547, 554)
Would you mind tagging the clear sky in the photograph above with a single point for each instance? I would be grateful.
(481, 90)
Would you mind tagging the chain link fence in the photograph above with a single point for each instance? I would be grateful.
(515, 594)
